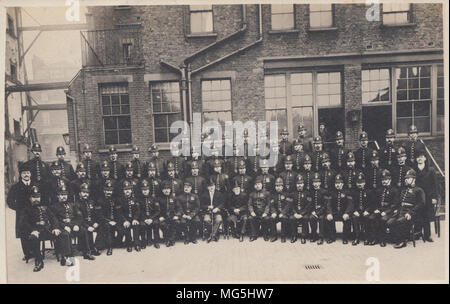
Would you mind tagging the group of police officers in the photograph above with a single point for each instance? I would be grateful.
(377, 194)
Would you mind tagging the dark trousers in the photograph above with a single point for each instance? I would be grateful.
(346, 231)
(284, 226)
(190, 227)
(82, 235)
(25, 242)
(303, 222)
(132, 235)
(62, 243)
(238, 223)
(169, 229)
(259, 224)
(380, 228)
(110, 232)
(360, 224)
(399, 227)
(317, 221)
(150, 233)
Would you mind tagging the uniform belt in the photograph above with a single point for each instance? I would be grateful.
(407, 204)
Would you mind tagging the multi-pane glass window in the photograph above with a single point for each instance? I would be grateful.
(275, 99)
(302, 100)
(376, 86)
(216, 100)
(201, 17)
(329, 89)
(440, 123)
(116, 113)
(320, 15)
(413, 88)
(165, 99)
(396, 13)
(282, 16)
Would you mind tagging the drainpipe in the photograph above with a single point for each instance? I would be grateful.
(75, 121)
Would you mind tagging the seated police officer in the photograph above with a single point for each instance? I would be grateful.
(301, 208)
(259, 209)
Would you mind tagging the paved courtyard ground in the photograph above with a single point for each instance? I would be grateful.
(232, 261)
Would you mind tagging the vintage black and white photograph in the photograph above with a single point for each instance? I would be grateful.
(224, 142)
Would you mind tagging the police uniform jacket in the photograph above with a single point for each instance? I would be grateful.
(188, 204)
(91, 212)
(198, 184)
(373, 177)
(244, 182)
(281, 203)
(150, 208)
(411, 200)
(130, 208)
(288, 180)
(320, 198)
(338, 155)
(67, 213)
(302, 202)
(340, 202)
(92, 169)
(362, 157)
(168, 206)
(39, 218)
(327, 178)
(259, 202)
(111, 208)
(385, 199)
(398, 175)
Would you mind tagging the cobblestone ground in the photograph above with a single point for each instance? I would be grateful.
(232, 261)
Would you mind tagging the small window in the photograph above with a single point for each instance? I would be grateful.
(10, 29)
(116, 113)
(13, 70)
(216, 100)
(201, 17)
(166, 103)
(320, 15)
(376, 85)
(396, 13)
(282, 16)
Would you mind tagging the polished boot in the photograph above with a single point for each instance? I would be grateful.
(129, 249)
(273, 239)
(400, 245)
(355, 242)
(253, 238)
(383, 244)
(88, 256)
(137, 248)
(293, 239)
(344, 241)
(38, 265)
(303, 240)
(320, 241)
(95, 252)
(109, 251)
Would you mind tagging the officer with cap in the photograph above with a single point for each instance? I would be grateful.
(129, 176)
(117, 169)
(82, 178)
(316, 155)
(138, 166)
(232, 164)
(237, 210)
(339, 208)
(389, 151)
(242, 178)
(298, 155)
(280, 209)
(254, 161)
(288, 175)
(373, 172)
(400, 169)
(259, 210)
(131, 216)
(307, 173)
(198, 182)
(18, 200)
(327, 173)
(56, 180)
(350, 174)
(268, 180)
(412, 198)
(175, 183)
(363, 153)
(323, 133)
(196, 157)
(66, 168)
(338, 153)
(92, 167)
(91, 215)
(154, 181)
(112, 217)
(221, 180)
(385, 198)
(302, 132)
(361, 211)
(285, 146)
(105, 177)
(168, 219)
(150, 213)
(301, 209)
(188, 209)
(39, 170)
(178, 160)
(413, 146)
(317, 217)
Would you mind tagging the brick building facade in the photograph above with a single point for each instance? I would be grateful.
(146, 66)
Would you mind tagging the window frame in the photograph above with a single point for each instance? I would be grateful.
(180, 112)
(294, 25)
(333, 24)
(191, 12)
(408, 15)
(112, 84)
(231, 96)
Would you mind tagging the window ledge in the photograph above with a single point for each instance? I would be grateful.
(120, 149)
(123, 7)
(201, 35)
(398, 25)
(322, 29)
(287, 31)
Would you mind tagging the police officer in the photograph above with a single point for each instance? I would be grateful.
(281, 206)
(66, 169)
(254, 162)
(399, 171)
(178, 161)
(91, 216)
(316, 155)
(361, 211)
(385, 199)
(267, 178)
(213, 206)
(39, 170)
(339, 208)
(41, 224)
(188, 211)
(318, 209)
(242, 178)
(92, 168)
(105, 177)
(82, 178)
(159, 162)
(298, 156)
(413, 146)
(285, 146)
(175, 183)
(55, 181)
(237, 210)
(350, 174)
(168, 219)
(129, 176)
(412, 198)
(220, 179)
(233, 162)
(131, 217)
(112, 217)
(288, 175)
(259, 209)
(117, 169)
(307, 173)
(427, 180)
(373, 172)
(323, 133)
(338, 153)
(138, 166)
(195, 157)
(302, 131)
(198, 182)
(389, 151)
(70, 219)
(150, 213)
(213, 159)
(363, 153)
(301, 209)
(327, 173)
(154, 181)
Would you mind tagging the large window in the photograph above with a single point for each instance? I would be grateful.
(305, 98)
(201, 17)
(440, 120)
(116, 113)
(282, 16)
(216, 100)
(165, 98)
(396, 13)
(320, 15)
(376, 86)
(413, 88)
